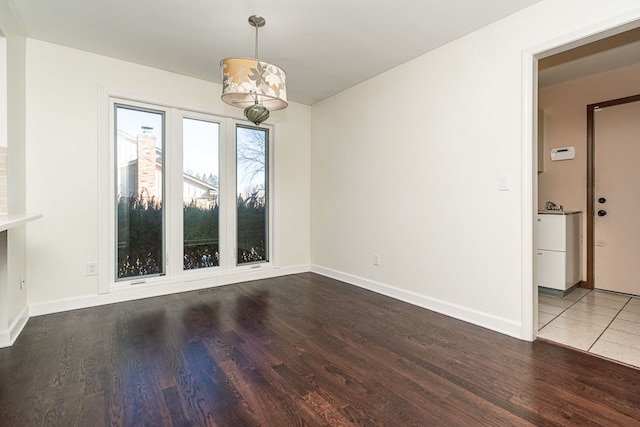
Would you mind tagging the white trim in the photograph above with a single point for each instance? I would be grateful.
(529, 305)
(275, 225)
(104, 257)
(18, 324)
(226, 203)
(485, 320)
(8, 337)
(274, 200)
(606, 28)
(132, 293)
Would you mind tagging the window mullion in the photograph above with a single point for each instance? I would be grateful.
(174, 229)
(224, 191)
(230, 195)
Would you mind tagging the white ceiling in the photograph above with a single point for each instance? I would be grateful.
(325, 46)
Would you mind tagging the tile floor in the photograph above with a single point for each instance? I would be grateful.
(603, 323)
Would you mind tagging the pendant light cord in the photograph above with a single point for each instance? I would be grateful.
(256, 42)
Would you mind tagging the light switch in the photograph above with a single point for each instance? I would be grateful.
(505, 183)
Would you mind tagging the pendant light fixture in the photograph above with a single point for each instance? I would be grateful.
(256, 86)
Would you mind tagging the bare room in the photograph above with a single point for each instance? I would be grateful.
(320, 214)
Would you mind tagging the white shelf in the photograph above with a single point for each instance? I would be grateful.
(16, 220)
(10, 327)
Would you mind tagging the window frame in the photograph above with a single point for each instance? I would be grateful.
(174, 273)
(163, 192)
(178, 250)
(232, 197)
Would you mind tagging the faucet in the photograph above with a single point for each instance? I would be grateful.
(550, 206)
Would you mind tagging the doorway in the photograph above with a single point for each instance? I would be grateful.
(570, 189)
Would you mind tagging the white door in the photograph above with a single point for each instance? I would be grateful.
(617, 198)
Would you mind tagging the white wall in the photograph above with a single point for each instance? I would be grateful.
(3, 90)
(62, 148)
(407, 165)
(13, 298)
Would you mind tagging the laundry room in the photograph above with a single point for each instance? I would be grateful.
(587, 232)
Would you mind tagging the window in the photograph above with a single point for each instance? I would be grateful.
(188, 195)
(200, 169)
(251, 184)
(139, 196)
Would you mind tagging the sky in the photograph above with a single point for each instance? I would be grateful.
(201, 138)
(200, 144)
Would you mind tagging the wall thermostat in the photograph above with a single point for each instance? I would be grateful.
(563, 153)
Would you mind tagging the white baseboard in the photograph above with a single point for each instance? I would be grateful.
(485, 320)
(139, 292)
(466, 314)
(8, 337)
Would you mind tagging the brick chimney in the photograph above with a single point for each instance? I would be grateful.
(147, 186)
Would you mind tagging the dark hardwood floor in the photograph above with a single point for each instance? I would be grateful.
(300, 350)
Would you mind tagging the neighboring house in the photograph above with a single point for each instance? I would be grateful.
(140, 171)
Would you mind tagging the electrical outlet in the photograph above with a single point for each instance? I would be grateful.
(376, 259)
(92, 268)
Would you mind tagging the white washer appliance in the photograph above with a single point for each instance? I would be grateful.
(558, 237)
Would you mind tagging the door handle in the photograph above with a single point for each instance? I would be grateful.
(602, 212)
